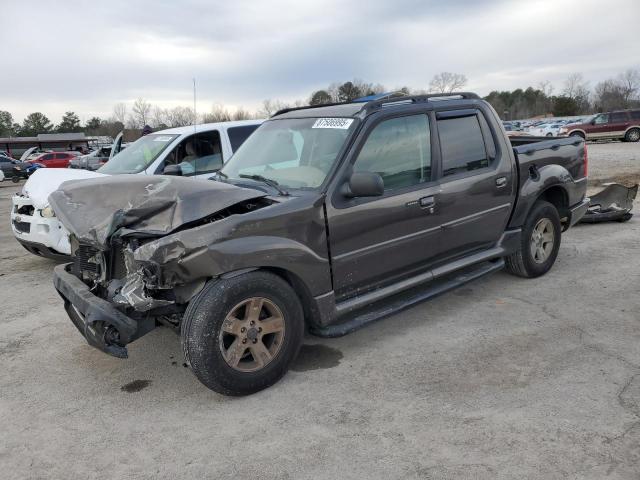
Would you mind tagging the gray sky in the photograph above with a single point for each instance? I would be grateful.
(87, 56)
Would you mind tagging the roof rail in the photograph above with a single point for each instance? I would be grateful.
(306, 107)
(389, 102)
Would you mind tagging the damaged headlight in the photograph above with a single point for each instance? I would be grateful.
(47, 212)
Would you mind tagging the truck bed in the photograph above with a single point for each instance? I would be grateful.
(541, 151)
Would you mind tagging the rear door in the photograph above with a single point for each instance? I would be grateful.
(618, 123)
(378, 240)
(477, 182)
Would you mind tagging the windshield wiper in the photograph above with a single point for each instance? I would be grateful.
(268, 181)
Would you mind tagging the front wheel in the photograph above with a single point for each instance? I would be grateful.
(241, 334)
(539, 244)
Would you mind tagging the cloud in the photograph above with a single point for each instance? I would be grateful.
(72, 56)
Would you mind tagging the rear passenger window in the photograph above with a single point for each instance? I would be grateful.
(237, 135)
(399, 150)
(635, 115)
(61, 156)
(462, 145)
(619, 117)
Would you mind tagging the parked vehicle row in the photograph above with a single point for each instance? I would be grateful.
(326, 218)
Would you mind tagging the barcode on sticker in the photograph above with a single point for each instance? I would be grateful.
(342, 123)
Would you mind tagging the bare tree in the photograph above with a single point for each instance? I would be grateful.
(242, 114)
(629, 83)
(219, 113)
(179, 116)
(141, 112)
(159, 117)
(546, 88)
(577, 89)
(447, 82)
(120, 112)
(269, 107)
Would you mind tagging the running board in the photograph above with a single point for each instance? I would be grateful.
(404, 301)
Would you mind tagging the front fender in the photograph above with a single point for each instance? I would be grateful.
(175, 260)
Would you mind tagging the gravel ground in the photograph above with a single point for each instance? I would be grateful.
(614, 161)
(504, 378)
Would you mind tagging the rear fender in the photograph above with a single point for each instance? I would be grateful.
(540, 182)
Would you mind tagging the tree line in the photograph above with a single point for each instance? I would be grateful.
(575, 98)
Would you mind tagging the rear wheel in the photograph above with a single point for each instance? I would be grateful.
(632, 135)
(241, 334)
(539, 244)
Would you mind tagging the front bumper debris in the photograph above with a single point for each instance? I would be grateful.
(101, 323)
(614, 203)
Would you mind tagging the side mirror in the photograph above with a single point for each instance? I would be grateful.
(363, 184)
(172, 170)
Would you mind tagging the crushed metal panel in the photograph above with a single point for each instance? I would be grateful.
(94, 210)
(614, 203)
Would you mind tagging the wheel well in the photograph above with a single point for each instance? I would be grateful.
(557, 196)
(300, 289)
(577, 133)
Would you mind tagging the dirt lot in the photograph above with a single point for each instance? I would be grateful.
(505, 378)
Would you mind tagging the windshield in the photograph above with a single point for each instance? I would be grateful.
(296, 153)
(139, 155)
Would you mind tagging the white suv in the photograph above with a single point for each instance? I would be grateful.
(189, 151)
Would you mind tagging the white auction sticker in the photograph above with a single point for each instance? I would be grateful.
(163, 139)
(342, 123)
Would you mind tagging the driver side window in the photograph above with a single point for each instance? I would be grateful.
(198, 154)
(399, 150)
(601, 119)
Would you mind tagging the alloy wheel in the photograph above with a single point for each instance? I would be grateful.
(542, 240)
(252, 334)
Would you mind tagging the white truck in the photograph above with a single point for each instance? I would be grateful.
(196, 151)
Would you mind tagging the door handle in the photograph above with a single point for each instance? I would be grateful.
(501, 182)
(428, 203)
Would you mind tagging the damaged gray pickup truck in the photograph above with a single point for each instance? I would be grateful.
(325, 219)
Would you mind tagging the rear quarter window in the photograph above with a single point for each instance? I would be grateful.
(237, 135)
(620, 117)
(635, 115)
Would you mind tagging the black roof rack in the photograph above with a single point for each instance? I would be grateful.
(391, 101)
(306, 107)
(388, 102)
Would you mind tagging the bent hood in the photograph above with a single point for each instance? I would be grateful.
(44, 181)
(95, 210)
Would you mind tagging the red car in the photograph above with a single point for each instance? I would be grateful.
(623, 125)
(55, 159)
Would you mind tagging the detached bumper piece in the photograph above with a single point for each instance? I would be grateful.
(614, 203)
(104, 326)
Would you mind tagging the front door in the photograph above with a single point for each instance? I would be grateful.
(377, 240)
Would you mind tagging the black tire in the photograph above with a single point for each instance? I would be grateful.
(625, 218)
(633, 135)
(522, 262)
(577, 134)
(203, 321)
